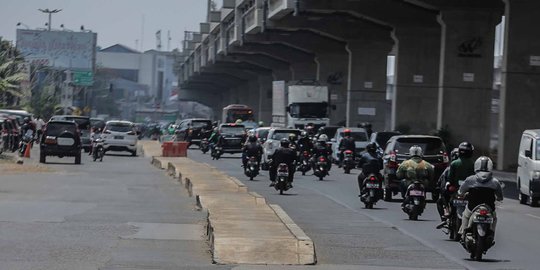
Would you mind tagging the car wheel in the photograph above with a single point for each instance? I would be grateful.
(42, 157)
(78, 158)
(134, 153)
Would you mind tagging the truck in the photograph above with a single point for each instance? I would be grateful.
(295, 104)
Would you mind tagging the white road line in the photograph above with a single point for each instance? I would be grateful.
(533, 216)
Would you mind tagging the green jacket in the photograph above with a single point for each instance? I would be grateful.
(214, 137)
(415, 169)
(460, 169)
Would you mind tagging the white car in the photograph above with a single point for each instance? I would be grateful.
(360, 139)
(120, 136)
(528, 171)
(274, 138)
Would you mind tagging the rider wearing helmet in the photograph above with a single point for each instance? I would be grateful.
(293, 142)
(238, 121)
(286, 155)
(463, 167)
(482, 188)
(414, 169)
(322, 149)
(442, 202)
(370, 162)
(251, 149)
(346, 143)
(305, 143)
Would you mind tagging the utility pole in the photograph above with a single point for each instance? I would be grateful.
(50, 12)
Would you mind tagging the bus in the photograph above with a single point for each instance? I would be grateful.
(233, 112)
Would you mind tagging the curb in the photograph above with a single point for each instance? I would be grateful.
(305, 246)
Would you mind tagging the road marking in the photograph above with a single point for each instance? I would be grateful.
(533, 216)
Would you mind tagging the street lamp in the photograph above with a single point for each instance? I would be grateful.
(50, 12)
(20, 23)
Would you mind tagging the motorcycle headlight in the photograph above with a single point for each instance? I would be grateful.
(536, 175)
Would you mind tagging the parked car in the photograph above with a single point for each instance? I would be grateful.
(194, 130)
(528, 171)
(62, 139)
(83, 123)
(234, 135)
(397, 151)
(120, 136)
(273, 140)
(381, 138)
(360, 138)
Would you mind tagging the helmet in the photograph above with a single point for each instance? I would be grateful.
(347, 132)
(303, 134)
(27, 119)
(238, 121)
(454, 154)
(252, 138)
(371, 147)
(416, 151)
(292, 137)
(216, 129)
(465, 149)
(261, 123)
(323, 138)
(215, 123)
(483, 164)
(284, 142)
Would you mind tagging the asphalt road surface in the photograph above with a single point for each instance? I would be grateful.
(331, 214)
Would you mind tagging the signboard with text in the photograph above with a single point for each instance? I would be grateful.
(58, 49)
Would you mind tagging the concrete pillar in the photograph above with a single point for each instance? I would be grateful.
(466, 75)
(520, 93)
(414, 104)
(366, 82)
(333, 71)
(265, 99)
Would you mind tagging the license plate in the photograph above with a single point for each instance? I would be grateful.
(372, 185)
(283, 174)
(65, 141)
(416, 193)
(118, 137)
(482, 219)
(459, 202)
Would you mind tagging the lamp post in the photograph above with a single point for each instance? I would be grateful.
(22, 24)
(50, 12)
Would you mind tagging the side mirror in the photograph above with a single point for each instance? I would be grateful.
(528, 153)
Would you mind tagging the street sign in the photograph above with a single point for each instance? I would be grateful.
(83, 78)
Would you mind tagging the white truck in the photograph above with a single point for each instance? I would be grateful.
(296, 104)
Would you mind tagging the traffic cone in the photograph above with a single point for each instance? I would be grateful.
(27, 150)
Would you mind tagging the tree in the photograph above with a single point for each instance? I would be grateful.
(10, 73)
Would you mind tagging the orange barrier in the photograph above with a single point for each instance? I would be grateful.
(174, 149)
(167, 149)
(27, 150)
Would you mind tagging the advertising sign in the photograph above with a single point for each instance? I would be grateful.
(58, 49)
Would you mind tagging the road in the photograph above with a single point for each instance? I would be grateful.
(119, 214)
(331, 214)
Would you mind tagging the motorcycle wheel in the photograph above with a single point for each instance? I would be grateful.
(368, 205)
(347, 171)
(303, 173)
(321, 178)
(251, 178)
(451, 231)
(387, 195)
(479, 249)
(457, 225)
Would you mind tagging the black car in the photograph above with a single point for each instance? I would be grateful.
(83, 124)
(381, 138)
(397, 151)
(194, 130)
(234, 135)
(62, 139)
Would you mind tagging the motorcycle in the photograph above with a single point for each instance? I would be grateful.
(97, 150)
(320, 168)
(348, 161)
(217, 152)
(252, 168)
(478, 234)
(282, 183)
(304, 166)
(416, 200)
(204, 146)
(372, 191)
(26, 141)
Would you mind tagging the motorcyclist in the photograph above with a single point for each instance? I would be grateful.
(441, 183)
(261, 124)
(347, 143)
(27, 125)
(458, 170)
(321, 148)
(251, 149)
(482, 188)
(293, 144)
(414, 169)
(305, 143)
(215, 139)
(310, 129)
(370, 162)
(286, 155)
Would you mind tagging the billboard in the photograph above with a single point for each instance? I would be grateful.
(58, 49)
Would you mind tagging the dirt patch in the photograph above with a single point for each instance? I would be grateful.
(9, 166)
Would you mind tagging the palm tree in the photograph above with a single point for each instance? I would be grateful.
(10, 72)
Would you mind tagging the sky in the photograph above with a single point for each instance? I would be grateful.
(115, 21)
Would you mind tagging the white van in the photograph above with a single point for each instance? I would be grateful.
(528, 172)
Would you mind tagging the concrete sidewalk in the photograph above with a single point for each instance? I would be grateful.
(242, 227)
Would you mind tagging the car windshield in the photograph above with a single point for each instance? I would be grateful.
(358, 136)
(237, 130)
(202, 124)
(302, 110)
(55, 129)
(430, 146)
(284, 134)
(263, 133)
(82, 123)
(119, 127)
(383, 137)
